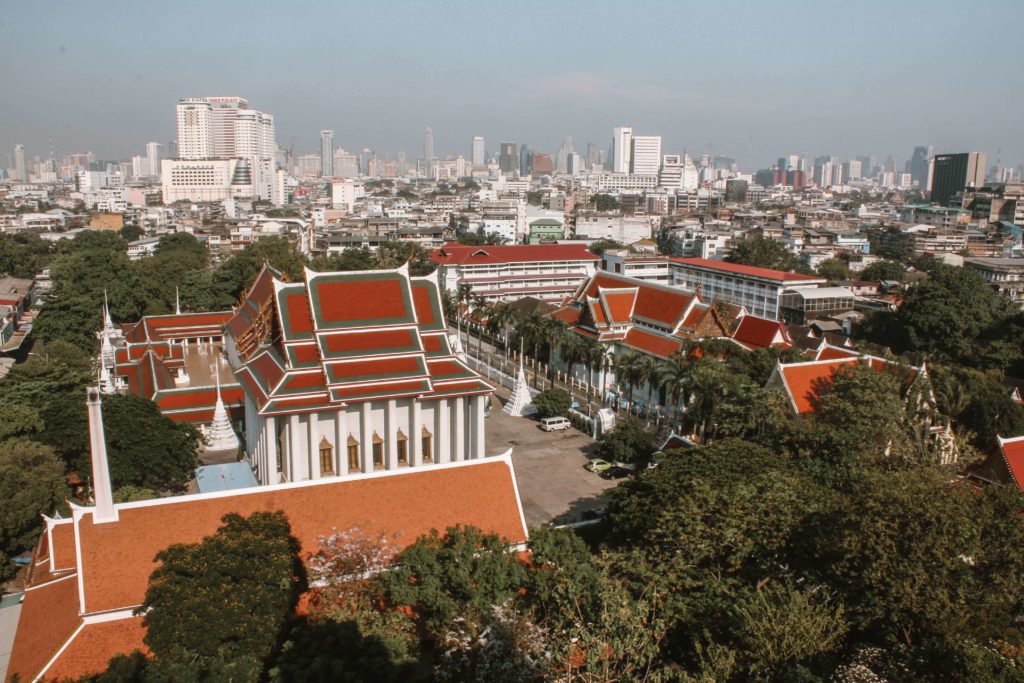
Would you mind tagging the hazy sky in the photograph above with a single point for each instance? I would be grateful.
(754, 80)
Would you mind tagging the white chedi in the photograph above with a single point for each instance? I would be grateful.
(520, 403)
(220, 435)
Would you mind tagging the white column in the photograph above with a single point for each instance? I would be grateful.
(340, 443)
(459, 445)
(314, 447)
(366, 442)
(415, 434)
(479, 408)
(295, 464)
(443, 452)
(270, 475)
(390, 436)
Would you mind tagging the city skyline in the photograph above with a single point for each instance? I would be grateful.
(751, 87)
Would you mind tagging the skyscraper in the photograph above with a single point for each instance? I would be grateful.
(525, 160)
(562, 158)
(918, 166)
(478, 153)
(428, 144)
(951, 173)
(20, 169)
(645, 155)
(327, 153)
(223, 128)
(591, 155)
(154, 152)
(622, 145)
(508, 158)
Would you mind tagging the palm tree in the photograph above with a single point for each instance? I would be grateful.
(554, 331)
(480, 307)
(462, 295)
(530, 331)
(626, 366)
(647, 375)
(705, 388)
(500, 317)
(593, 357)
(674, 379)
(573, 351)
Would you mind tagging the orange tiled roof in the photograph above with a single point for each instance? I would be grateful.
(1013, 455)
(760, 332)
(807, 382)
(654, 344)
(117, 557)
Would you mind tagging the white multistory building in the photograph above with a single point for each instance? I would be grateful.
(327, 153)
(645, 158)
(622, 146)
(225, 150)
(478, 151)
(154, 153)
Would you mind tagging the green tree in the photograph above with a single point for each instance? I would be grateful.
(627, 442)
(17, 420)
(834, 269)
(31, 483)
(605, 202)
(462, 573)
(883, 270)
(552, 402)
(397, 252)
(216, 610)
(600, 246)
(131, 232)
(764, 253)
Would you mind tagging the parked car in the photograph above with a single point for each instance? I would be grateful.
(553, 424)
(598, 465)
(615, 472)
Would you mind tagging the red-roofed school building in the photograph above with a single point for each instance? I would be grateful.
(549, 272)
(758, 290)
(351, 372)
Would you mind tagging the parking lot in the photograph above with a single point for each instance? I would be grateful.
(553, 485)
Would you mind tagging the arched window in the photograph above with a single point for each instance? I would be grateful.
(326, 457)
(428, 443)
(403, 448)
(378, 452)
(353, 454)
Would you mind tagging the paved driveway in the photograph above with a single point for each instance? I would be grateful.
(553, 485)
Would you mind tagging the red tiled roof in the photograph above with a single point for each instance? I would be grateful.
(829, 352)
(62, 551)
(570, 315)
(371, 340)
(1013, 454)
(300, 320)
(49, 616)
(654, 344)
(454, 253)
(760, 332)
(118, 557)
(738, 269)
(95, 645)
(619, 305)
(808, 382)
(351, 300)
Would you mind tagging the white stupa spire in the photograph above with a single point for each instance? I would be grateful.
(177, 301)
(520, 403)
(221, 435)
(106, 381)
(106, 351)
(103, 493)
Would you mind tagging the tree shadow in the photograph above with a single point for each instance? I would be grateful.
(328, 651)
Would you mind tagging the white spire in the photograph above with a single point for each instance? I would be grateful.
(106, 381)
(221, 435)
(102, 491)
(177, 301)
(520, 403)
(108, 324)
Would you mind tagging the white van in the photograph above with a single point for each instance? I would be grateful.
(553, 424)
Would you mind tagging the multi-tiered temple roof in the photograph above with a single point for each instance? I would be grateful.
(338, 338)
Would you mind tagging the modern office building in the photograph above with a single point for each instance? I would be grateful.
(645, 155)
(20, 169)
(327, 153)
(479, 153)
(428, 144)
(953, 173)
(154, 154)
(508, 158)
(918, 166)
(622, 147)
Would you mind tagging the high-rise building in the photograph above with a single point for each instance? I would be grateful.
(327, 153)
(478, 153)
(154, 153)
(525, 160)
(428, 144)
(952, 173)
(853, 170)
(562, 158)
(645, 155)
(622, 146)
(20, 169)
(508, 157)
(195, 136)
(918, 166)
(592, 155)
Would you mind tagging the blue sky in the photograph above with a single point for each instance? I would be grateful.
(749, 79)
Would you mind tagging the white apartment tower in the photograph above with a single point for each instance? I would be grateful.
(327, 153)
(19, 163)
(154, 153)
(645, 158)
(479, 153)
(622, 147)
(428, 144)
